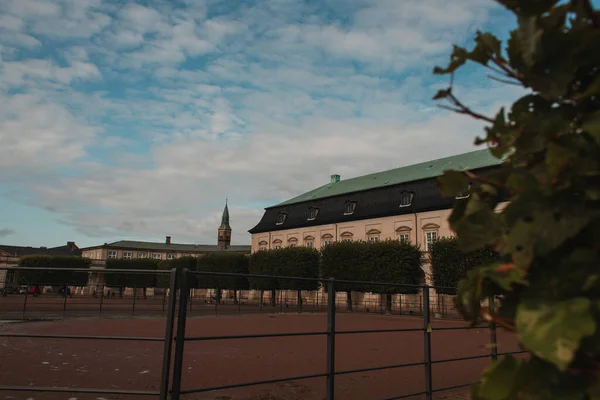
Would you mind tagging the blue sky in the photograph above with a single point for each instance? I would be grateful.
(136, 119)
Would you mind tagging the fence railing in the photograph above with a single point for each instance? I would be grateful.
(178, 309)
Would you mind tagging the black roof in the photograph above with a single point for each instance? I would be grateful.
(70, 249)
(374, 203)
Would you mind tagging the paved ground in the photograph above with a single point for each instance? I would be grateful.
(136, 365)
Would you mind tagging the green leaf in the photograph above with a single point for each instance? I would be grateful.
(498, 381)
(457, 59)
(591, 125)
(453, 182)
(553, 331)
(478, 229)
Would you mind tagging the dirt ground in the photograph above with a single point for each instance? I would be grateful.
(129, 365)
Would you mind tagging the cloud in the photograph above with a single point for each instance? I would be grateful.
(142, 122)
(6, 232)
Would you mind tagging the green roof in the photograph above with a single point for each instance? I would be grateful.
(161, 246)
(410, 173)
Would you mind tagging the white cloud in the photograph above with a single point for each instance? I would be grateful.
(158, 113)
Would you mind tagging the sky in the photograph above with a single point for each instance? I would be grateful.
(137, 119)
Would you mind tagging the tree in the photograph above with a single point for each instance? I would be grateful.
(396, 262)
(50, 276)
(547, 283)
(302, 262)
(131, 279)
(264, 262)
(449, 264)
(233, 263)
(345, 261)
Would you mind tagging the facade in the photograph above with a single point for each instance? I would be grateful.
(401, 204)
(9, 257)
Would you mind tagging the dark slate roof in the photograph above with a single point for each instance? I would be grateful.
(410, 173)
(70, 249)
(179, 247)
(374, 203)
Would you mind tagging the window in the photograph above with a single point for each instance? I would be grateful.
(171, 256)
(281, 218)
(157, 256)
(262, 245)
(430, 236)
(112, 254)
(309, 241)
(127, 254)
(347, 237)
(404, 237)
(406, 199)
(292, 242)
(312, 213)
(403, 233)
(373, 235)
(326, 239)
(277, 244)
(141, 254)
(349, 207)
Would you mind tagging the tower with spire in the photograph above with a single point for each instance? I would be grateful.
(224, 229)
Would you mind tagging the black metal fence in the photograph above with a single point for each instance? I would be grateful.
(178, 309)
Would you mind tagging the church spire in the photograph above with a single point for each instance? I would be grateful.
(224, 232)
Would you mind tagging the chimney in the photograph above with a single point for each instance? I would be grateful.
(70, 245)
(335, 178)
(168, 240)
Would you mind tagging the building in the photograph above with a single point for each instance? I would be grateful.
(9, 257)
(403, 203)
(167, 250)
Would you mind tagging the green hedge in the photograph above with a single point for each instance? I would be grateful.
(53, 277)
(395, 262)
(264, 262)
(346, 261)
(302, 262)
(449, 264)
(189, 262)
(235, 263)
(133, 280)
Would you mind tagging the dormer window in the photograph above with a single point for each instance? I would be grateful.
(349, 207)
(312, 213)
(281, 218)
(406, 199)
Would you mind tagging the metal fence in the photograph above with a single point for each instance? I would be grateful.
(178, 309)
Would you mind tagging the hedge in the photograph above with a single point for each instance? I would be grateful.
(235, 263)
(189, 262)
(133, 280)
(53, 277)
(345, 261)
(264, 262)
(449, 264)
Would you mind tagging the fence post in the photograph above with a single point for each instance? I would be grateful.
(493, 339)
(134, 296)
(164, 300)
(24, 302)
(180, 338)
(170, 322)
(191, 297)
(65, 301)
(101, 301)
(330, 340)
(427, 343)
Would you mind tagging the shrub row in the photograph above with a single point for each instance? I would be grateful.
(398, 263)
